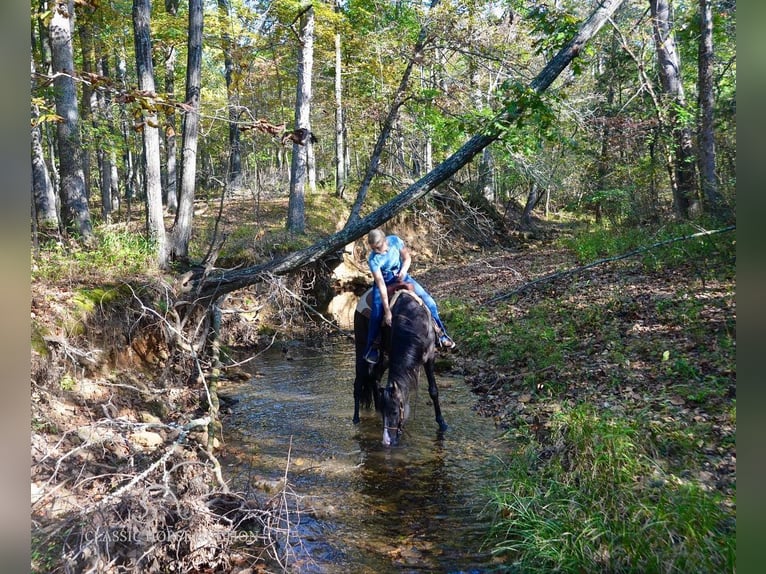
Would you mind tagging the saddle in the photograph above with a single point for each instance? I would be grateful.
(364, 306)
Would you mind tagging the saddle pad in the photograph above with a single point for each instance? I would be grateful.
(364, 306)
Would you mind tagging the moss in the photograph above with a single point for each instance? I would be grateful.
(39, 332)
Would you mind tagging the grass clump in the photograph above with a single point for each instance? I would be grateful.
(116, 253)
(535, 340)
(595, 501)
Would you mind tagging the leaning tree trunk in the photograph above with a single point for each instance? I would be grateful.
(533, 198)
(385, 130)
(683, 182)
(74, 200)
(208, 287)
(296, 209)
(151, 138)
(182, 227)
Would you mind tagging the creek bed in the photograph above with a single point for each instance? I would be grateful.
(359, 506)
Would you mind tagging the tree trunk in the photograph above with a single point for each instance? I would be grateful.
(43, 44)
(340, 166)
(707, 155)
(110, 194)
(235, 156)
(42, 187)
(385, 129)
(532, 199)
(182, 227)
(684, 189)
(604, 162)
(171, 146)
(74, 201)
(296, 209)
(170, 185)
(87, 105)
(213, 285)
(155, 225)
(485, 186)
(43, 192)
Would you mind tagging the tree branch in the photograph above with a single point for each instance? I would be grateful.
(217, 284)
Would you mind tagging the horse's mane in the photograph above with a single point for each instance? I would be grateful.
(411, 338)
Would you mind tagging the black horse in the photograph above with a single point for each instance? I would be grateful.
(407, 345)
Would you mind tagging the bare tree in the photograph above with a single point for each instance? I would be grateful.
(155, 224)
(296, 210)
(74, 200)
(182, 227)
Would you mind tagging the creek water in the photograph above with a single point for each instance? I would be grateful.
(360, 506)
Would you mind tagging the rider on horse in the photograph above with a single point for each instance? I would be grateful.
(389, 262)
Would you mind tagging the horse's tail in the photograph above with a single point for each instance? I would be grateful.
(366, 382)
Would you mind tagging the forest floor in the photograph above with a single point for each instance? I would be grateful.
(638, 344)
(647, 346)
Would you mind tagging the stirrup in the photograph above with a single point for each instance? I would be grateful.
(446, 342)
(372, 356)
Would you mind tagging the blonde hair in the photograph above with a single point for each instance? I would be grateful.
(375, 237)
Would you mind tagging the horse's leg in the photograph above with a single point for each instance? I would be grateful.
(433, 392)
(360, 365)
(357, 393)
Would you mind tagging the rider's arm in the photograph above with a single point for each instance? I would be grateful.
(381, 285)
(406, 259)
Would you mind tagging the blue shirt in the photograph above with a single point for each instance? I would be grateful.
(388, 263)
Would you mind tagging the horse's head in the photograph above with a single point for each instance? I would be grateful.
(395, 410)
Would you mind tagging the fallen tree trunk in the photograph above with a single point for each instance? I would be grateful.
(208, 286)
(575, 270)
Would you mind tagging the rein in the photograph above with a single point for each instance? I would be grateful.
(397, 428)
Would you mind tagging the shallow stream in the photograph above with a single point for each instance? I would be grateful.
(363, 507)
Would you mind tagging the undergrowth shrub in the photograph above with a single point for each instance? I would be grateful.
(596, 501)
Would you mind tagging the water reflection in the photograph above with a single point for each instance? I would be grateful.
(368, 508)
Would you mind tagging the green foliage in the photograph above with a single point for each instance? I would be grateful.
(533, 343)
(45, 553)
(712, 255)
(115, 255)
(67, 382)
(39, 332)
(526, 109)
(600, 242)
(599, 503)
(552, 28)
(615, 204)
